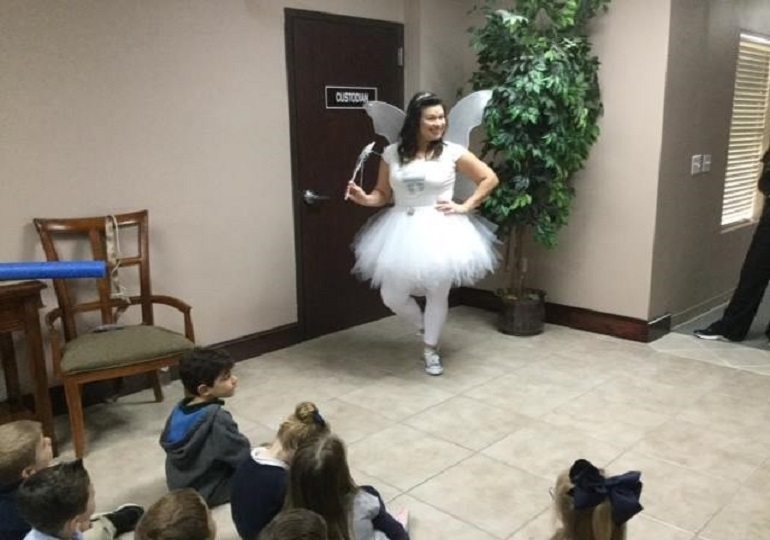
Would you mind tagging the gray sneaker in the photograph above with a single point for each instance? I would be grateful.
(432, 362)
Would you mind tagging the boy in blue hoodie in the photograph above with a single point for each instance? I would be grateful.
(202, 442)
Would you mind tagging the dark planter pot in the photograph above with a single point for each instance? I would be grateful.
(523, 316)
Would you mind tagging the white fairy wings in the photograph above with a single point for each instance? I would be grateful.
(464, 116)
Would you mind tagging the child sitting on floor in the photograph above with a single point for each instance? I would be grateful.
(319, 480)
(202, 442)
(57, 501)
(259, 484)
(592, 507)
(297, 524)
(179, 515)
(24, 450)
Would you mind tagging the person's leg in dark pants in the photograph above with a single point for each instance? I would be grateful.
(755, 275)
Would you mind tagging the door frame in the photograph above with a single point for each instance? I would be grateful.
(290, 15)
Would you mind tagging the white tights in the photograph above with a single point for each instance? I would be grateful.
(400, 302)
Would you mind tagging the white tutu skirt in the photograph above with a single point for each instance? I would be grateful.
(416, 248)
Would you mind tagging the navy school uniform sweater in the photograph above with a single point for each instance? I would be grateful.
(257, 493)
(12, 527)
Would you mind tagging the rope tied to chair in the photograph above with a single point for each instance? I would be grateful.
(112, 245)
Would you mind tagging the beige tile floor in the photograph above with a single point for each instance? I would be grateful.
(473, 453)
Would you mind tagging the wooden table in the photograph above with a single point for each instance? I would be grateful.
(19, 305)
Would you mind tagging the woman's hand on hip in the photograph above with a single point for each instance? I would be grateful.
(451, 207)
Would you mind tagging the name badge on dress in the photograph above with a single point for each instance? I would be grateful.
(415, 183)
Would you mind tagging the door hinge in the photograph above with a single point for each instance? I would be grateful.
(401, 56)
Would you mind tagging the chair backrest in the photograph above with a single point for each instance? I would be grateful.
(91, 231)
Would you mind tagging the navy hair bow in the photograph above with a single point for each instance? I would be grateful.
(591, 488)
(318, 419)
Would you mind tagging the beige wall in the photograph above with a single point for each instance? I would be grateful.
(604, 258)
(695, 264)
(441, 58)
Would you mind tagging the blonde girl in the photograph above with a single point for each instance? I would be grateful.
(259, 484)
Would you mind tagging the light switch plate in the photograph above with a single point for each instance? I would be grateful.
(706, 163)
(695, 164)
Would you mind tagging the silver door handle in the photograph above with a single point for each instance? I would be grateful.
(311, 197)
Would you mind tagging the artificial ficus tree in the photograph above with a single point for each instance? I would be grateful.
(543, 116)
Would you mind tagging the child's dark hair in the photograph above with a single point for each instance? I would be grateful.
(585, 505)
(319, 480)
(203, 366)
(295, 524)
(52, 496)
(179, 515)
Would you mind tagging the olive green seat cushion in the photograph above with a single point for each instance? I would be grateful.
(123, 347)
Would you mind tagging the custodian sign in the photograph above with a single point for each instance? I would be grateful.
(349, 97)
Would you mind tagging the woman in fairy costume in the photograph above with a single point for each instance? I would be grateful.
(426, 243)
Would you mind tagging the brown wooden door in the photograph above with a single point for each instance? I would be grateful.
(334, 51)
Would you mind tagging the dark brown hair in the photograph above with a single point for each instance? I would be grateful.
(53, 496)
(203, 366)
(407, 146)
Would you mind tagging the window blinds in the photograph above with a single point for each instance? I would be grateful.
(747, 129)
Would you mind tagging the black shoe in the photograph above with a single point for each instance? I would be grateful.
(708, 333)
(125, 517)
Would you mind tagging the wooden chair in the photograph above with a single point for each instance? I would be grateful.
(108, 352)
